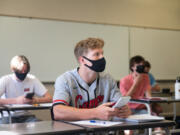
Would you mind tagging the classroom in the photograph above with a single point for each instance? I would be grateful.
(47, 31)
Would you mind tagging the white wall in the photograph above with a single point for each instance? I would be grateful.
(49, 45)
(160, 47)
(142, 13)
(160, 14)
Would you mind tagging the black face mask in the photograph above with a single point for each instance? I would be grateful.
(97, 65)
(140, 69)
(20, 76)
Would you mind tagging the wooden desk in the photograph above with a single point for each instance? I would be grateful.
(41, 128)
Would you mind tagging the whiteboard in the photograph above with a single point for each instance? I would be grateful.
(49, 45)
(160, 47)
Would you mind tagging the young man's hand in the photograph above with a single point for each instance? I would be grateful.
(23, 100)
(123, 112)
(105, 111)
(138, 78)
(35, 100)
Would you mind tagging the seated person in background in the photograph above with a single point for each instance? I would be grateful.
(85, 93)
(154, 85)
(14, 88)
(136, 84)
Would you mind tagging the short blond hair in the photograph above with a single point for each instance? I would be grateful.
(17, 63)
(83, 46)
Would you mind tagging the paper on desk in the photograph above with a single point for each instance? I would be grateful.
(8, 133)
(46, 104)
(96, 123)
(18, 105)
(140, 118)
(28, 105)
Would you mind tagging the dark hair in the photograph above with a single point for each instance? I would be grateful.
(135, 60)
(147, 64)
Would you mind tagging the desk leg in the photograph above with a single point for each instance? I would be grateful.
(10, 117)
(167, 130)
(174, 111)
(150, 131)
(2, 114)
(149, 112)
(148, 108)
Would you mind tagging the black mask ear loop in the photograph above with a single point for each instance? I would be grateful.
(88, 60)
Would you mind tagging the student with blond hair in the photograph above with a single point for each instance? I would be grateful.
(14, 88)
(85, 92)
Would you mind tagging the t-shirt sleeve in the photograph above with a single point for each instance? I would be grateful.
(39, 88)
(123, 87)
(115, 93)
(152, 80)
(2, 86)
(61, 93)
(147, 82)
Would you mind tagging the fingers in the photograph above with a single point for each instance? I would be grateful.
(124, 112)
(122, 115)
(26, 100)
(110, 112)
(109, 104)
(114, 112)
(124, 107)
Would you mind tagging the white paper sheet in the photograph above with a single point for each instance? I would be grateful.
(96, 122)
(140, 118)
(46, 104)
(19, 105)
(28, 105)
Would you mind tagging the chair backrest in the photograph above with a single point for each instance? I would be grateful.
(118, 83)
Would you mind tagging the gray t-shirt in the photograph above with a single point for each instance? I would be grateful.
(72, 90)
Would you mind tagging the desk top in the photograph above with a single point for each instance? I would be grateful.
(43, 127)
(156, 100)
(58, 127)
(130, 126)
(15, 107)
(1, 108)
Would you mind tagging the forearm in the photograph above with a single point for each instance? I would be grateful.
(43, 100)
(47, 98)
(62, 112)
(8, 101)
(156, 88)
(148, 94)
(131, 90)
